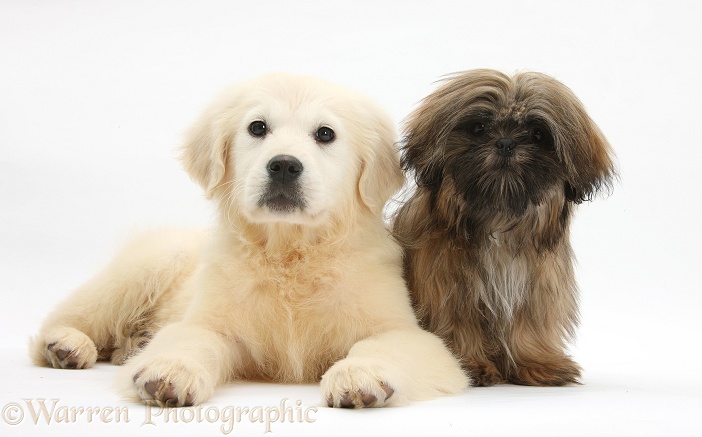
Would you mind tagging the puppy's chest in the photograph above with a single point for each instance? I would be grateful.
(294, 312)
(296, 293)
(295, 278)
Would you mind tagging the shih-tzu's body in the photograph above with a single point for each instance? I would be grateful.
(499, 162)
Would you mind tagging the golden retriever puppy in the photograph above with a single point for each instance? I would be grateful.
(299, 281)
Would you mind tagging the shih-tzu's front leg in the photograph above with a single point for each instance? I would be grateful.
(479, 351)
(539, 354)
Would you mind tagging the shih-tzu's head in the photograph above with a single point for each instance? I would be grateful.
(501, 145)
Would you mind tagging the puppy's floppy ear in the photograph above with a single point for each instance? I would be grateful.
(204, 153)
(381, 175)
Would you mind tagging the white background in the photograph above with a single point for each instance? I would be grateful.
(94, 97)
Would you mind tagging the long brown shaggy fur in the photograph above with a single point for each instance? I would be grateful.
(499, 163)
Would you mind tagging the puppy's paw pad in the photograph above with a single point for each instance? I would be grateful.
(172, 387)
(361, 399)
(73, 351)
(355, 387)
(165, 393)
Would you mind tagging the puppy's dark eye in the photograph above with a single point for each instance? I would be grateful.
(324, 134)
(477, 129)
(258, 128)
(542, 138)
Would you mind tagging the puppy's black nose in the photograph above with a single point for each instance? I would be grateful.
(505, 146)
(284, 168)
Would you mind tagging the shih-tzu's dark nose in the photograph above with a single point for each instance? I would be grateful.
(505, 146)
(284, 168)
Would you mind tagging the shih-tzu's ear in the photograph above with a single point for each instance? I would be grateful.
(425, 131)
(423, 143)
(207, 142)
(582, 148)
(589, 163)
(460, 96)
(421, 159)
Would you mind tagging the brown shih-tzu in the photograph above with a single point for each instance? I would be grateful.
(500, 162)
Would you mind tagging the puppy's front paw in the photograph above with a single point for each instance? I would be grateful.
(353, 384)
(66, 348)
(171, 383)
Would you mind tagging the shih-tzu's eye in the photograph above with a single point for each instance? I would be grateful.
(537, 135)
(258, 128)
(542, 138)
(477, 129)
(325, 134)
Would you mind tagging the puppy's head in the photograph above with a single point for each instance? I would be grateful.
(505, 144)
(284, 148)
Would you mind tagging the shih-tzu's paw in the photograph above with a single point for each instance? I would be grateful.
(351, 384)
(557, 372)
(484, 373)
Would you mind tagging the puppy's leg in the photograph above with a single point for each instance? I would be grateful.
(181, 366)
(107, 316)
(392, 368)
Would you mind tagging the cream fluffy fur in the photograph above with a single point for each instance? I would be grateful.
(309, 293)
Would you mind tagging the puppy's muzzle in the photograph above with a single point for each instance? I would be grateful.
(284, 169)
(283, 193)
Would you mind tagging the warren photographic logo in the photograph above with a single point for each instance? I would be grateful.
(41, 412)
